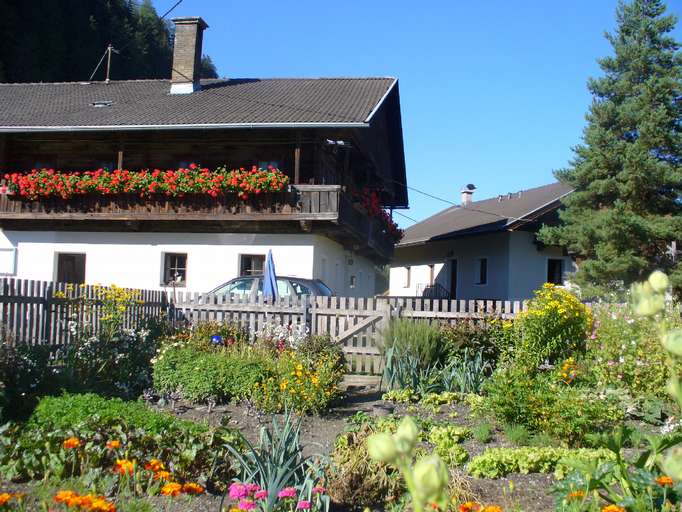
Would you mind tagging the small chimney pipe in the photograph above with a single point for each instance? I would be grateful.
(186, 72)
(466, 194)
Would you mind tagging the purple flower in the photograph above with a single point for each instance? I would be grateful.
(287, 492)
(261, 495)
(303, 505)
(246, 505)
(238, 491)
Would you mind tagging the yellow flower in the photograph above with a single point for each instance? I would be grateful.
(612, 508)
(113, 444)
(171, 489)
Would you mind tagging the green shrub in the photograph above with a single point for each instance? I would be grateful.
(543, 403)
(69, 410)
(517, 434)
(499, 462)
(483, 433)
(419, 339)
(35, 449)
(24, 376)
(221, 374)
(472, 337)
(625, 351)
(554, 326)
(446, 439)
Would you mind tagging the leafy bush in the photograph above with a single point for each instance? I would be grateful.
(499, 462)
(543, 403)
(304, 385)
(420, 340)
(625, 351)
(37, 449)
(517, 434)
(471, 337)
(555, 325)
(24, 376)
(446, 441)
(483, 433)
(222, 375)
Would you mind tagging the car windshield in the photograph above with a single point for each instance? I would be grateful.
(300, 288)
(282, 287)
(237, 287)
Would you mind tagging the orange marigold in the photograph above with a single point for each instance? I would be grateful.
(154, 465)
(192, 488)
(492, 508)
(469, 506)
(4, 498)
(664, 481)
(163, 475)
(113, 444)
(64, 496)
(171, 489)
(612, 508)
(100, 504)
(124, 466)
(576, 495)
(71, 442)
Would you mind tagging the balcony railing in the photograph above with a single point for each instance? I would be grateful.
(304, 206)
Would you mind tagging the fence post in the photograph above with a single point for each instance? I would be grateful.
(47, 312)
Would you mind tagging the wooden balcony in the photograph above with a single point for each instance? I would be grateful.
(320, 209)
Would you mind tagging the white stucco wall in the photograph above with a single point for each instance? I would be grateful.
(515, 266)
(136, 259)
(528, 265)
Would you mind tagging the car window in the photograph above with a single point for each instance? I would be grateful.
(239, 287)
(282, 287)
(324, 288)
(300, 289)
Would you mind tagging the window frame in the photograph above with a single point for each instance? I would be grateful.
(240, 263)
(478, 270)
(408, 276)
(168, 282)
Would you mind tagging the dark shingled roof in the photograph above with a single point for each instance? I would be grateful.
(495, 214)
(222, 102)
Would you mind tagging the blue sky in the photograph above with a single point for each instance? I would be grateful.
(493, 93)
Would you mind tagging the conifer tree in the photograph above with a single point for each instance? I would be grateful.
(626, 208)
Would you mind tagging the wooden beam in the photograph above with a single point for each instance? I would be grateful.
(119, 163)
(297, 164)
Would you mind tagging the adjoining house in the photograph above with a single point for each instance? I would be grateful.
(338, 140)
(483, 249)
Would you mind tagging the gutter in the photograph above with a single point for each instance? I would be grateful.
(205, 126)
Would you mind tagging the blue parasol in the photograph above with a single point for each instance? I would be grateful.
(269, 278)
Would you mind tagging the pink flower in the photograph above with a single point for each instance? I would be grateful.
(318, 489)
(238, 491)
(261, 495)
(303, 505)
(251, 488)
(246, 505)
(287, 492)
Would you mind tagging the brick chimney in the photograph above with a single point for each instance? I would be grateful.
(189, 33)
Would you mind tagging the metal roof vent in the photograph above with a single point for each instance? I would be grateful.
(103, 103)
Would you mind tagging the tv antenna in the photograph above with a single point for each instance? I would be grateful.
(107, 53)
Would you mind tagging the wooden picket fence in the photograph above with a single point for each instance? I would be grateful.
(39, 312)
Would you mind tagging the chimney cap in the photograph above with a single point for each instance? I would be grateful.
(190, 20)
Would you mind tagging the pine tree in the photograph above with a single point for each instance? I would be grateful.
(626, 207)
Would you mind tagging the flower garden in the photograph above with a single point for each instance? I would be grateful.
(566, 407)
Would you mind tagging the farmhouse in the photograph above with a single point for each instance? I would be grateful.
(483, 249)
(333, 144)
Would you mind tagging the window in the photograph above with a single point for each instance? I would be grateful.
(70, 268)
(353, 281)
(251, 264)
(282, 287)
(482, 271)
(408, 277)
(555, 271)
(174, 269)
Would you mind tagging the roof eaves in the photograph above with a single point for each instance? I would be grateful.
(203, 126)
(369, 117)
(512, 222)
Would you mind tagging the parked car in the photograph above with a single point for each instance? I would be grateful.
(286, 287)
